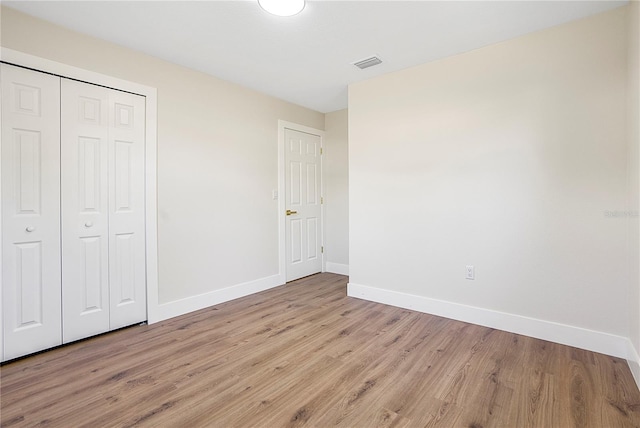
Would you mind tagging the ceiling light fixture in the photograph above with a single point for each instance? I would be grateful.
(282, 7)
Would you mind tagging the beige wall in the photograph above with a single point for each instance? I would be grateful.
(507, 158)
(217, 159)
(336, 181)
(633, 127)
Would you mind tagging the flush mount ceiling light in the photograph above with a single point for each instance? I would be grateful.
(282, 7)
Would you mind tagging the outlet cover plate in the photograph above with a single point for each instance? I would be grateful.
(470, 272)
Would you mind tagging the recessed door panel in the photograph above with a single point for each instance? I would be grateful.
(123, 284)
(312, 238)
(90, 109)
(123, 115)
(312, 185)
(295, 145)
(296, 241)
(31, 287)
(312, 148)
(123, 174)
(28, 165)
(90, 265)
(89, 173)
(29, 284)
(302, 224)
(296, 182)
(27, 99)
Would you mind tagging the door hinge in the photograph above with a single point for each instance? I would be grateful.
(321, 200)
(320, 150)
(322, 250)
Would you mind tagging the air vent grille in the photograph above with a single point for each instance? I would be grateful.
(369, 62)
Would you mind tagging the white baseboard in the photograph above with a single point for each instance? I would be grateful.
(633, 360)
(183, 306)
(337, 268)
(590, 340)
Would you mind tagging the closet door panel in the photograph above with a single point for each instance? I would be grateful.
(126, 213)
(31, 286)
(85, 210)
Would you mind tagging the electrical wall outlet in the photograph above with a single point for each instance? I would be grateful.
(470, 272)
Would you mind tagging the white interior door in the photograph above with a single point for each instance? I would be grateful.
(73, 217)
(31, 319)
(303, 226)
(85, 210)
(127, 282)
(103, 199)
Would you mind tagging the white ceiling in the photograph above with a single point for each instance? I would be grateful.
(306, 59)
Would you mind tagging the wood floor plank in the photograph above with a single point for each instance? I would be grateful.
(305, 354)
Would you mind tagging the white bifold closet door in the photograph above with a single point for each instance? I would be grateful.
(73, 220)
(31, 306)
(103, 252)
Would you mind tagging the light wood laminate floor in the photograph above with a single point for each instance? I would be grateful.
(304, 354)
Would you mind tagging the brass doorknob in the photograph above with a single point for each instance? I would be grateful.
(289, 212)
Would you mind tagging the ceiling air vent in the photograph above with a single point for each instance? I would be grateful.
(369, 62)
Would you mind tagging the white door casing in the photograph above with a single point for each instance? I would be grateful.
(154, 310)
(303, 204)
(31, 318)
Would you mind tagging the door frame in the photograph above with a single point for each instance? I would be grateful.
(282, 125)
(22, 59)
